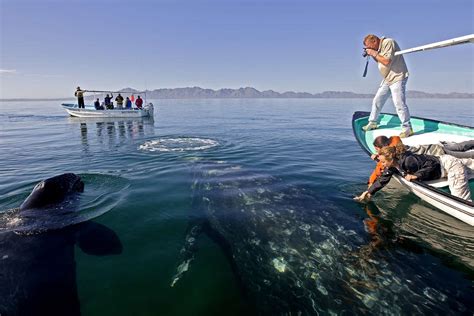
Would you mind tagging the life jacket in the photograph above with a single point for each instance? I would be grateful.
(139, 103)
(394, 140)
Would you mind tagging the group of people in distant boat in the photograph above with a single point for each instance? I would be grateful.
(108, 104)
(454, 161)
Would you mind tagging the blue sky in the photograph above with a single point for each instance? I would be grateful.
(47, 48)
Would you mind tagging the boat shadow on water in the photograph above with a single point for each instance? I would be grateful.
(294, 251)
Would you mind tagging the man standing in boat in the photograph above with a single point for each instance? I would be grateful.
(80, 97)
(119, 100)
(107, 101)
(394, 72)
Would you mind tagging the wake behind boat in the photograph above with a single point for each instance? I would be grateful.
(426, 131)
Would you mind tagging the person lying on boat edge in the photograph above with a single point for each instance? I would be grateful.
(458, 150)
(422, 168)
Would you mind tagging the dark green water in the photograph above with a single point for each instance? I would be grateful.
(276, 178)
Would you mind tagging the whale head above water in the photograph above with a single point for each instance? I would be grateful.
(37, 253)
(52, 191)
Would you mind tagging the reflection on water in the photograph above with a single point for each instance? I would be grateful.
(112, 131)
(84, 141)
(411, 219)
(440, 232)
(375, 229)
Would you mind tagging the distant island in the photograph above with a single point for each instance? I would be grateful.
(249, 92)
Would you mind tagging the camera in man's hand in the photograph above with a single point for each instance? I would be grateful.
(365, 54)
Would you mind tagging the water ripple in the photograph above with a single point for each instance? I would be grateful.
(101, 194)
(178, 144)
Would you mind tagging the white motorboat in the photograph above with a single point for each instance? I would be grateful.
(90, 111)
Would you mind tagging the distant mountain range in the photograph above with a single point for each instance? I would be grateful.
(249, 92)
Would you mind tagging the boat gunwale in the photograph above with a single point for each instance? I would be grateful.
(146, 111)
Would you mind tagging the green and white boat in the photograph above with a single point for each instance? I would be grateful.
(426, 131)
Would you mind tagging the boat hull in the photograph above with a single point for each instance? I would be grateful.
(73, 110)
(426, 132)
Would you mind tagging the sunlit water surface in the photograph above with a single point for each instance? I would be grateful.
(240, 206)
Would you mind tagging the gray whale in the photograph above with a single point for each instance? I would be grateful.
(52, 191)
(38, 271)
(295, 252)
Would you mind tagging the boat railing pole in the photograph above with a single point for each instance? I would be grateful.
(451, 42)
(108, 91)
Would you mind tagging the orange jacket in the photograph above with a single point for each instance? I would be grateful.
(394, 140)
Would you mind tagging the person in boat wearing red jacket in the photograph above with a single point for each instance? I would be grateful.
(396, 160)
(139, 102)
(458, 150)
(379, 143)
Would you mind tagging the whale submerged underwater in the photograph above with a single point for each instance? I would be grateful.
(295, 252)
(37, 266)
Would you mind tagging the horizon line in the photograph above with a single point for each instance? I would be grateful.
(359, 94)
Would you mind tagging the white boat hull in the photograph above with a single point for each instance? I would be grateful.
(446, 203)
(73, 110)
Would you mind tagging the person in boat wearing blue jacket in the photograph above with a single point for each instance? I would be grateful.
(97, 105)
(128, 103)
(422, 168)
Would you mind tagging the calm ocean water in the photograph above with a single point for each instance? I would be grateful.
(244, 206)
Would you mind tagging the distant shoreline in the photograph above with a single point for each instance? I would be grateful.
(252, 93)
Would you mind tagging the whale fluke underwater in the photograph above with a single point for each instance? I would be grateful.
(296, 252)
(38, 269)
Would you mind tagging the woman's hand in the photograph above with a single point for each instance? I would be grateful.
(410, 177)
(364, 197)
(374, 156)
